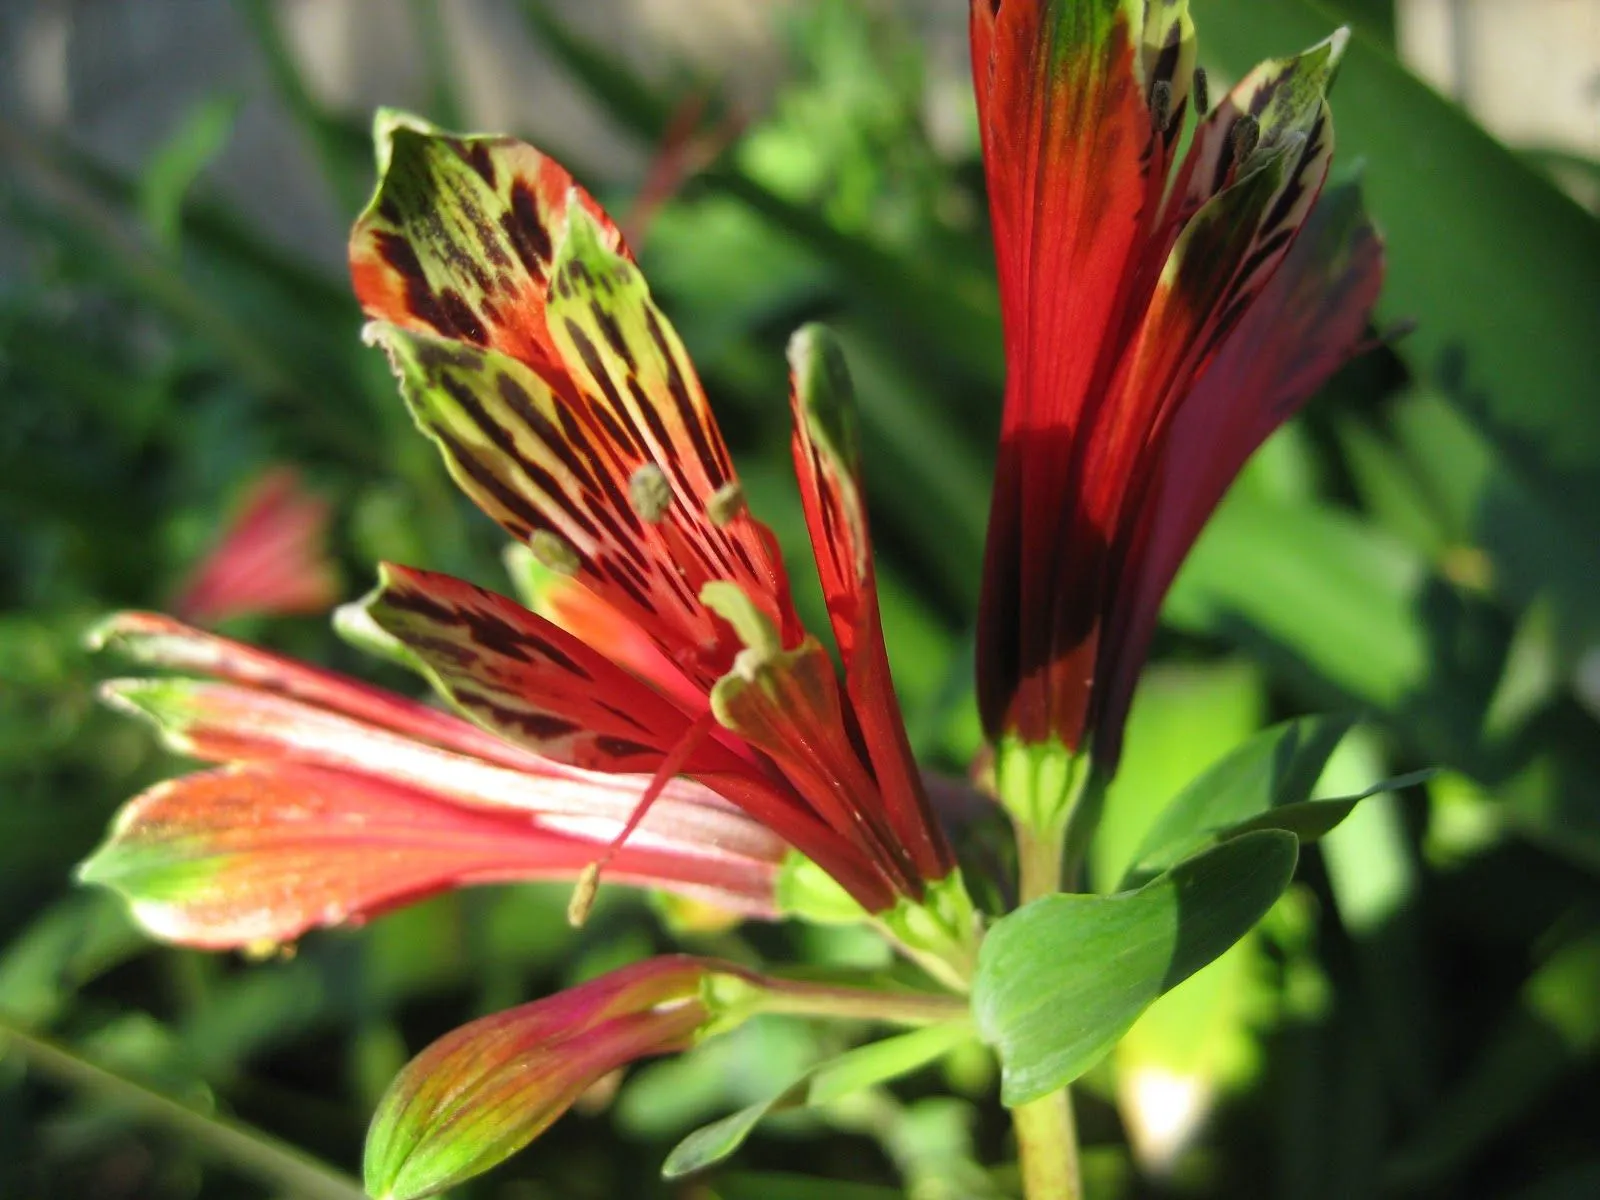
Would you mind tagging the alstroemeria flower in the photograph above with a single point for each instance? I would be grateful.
(272, 557)
(530, 351)
(1149, 345)
(339, 801)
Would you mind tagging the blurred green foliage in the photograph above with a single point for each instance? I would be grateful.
(1419, 1016)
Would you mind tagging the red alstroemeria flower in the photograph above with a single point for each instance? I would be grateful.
(339, 801)
(1154, 331)
(530, 351)
(272, 558)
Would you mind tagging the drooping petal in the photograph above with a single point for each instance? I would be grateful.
(226, 723)
(1307, 322)
(458, 240)
(481, 1093)
(827, 463)
(272, 557)
(155, 640)
(261, 853)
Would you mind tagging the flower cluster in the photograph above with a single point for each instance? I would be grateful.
(658, 715)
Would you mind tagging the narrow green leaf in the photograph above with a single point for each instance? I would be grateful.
(863, 1067)
(179, 161)
(1278, 766)
(247, 1150)
(1060, 980)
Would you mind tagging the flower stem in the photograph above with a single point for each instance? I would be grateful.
(896, 1008)
(1047, 1136)
(1047, 1144)
(1039, 861)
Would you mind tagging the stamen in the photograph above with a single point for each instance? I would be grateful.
(726, 503)
(1201, 92)
(1245, 135)
(583, 892)
(1161, 105)
(649, 492)
(553, 552)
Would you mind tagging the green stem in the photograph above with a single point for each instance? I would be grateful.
(1039, 861)
(1047, 1144)
(895, 1008)
(1047, 1136)
(276, 1163)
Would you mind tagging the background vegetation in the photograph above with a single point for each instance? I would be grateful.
(1419, 1016)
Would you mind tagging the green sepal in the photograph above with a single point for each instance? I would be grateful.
(807, 892)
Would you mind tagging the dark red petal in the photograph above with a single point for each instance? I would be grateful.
(1306, 323)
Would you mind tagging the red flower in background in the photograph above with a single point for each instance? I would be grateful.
(1161, 318)
(271, 560)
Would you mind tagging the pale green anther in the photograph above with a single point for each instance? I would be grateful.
(806, 891)
(726, 503)
(583, 894)
(650, 492)
(755, 630)
(554, 552)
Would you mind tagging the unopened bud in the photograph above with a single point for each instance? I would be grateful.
(726, 503)
(649, 492)
(552, 551)
(1202, 92)
(1246, 135)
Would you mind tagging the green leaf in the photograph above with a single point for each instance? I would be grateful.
(860, 1068)
(1278, 766)
(179, 161)
(1060, 980)
(1185, 718)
